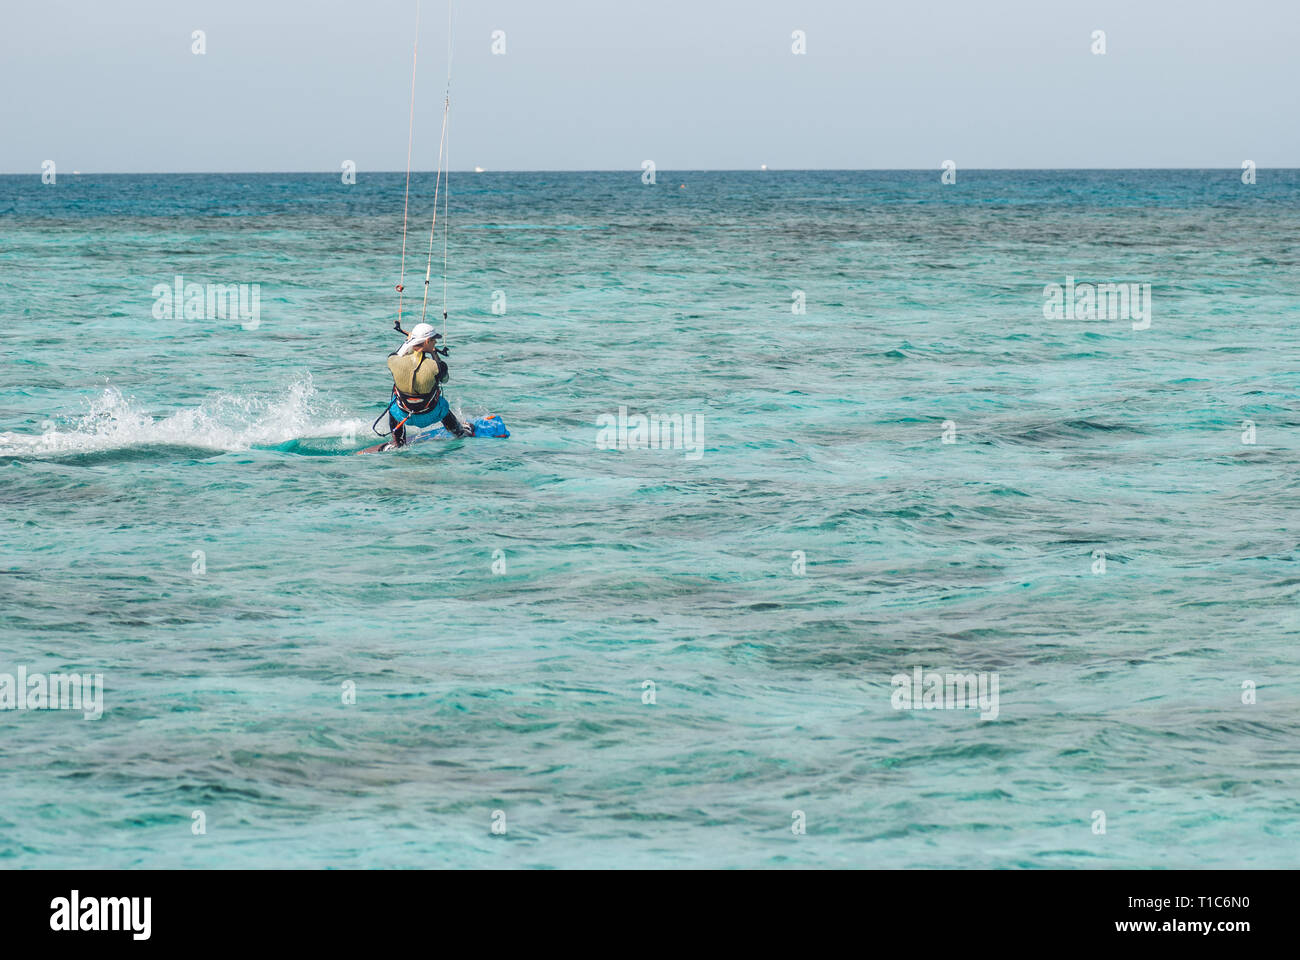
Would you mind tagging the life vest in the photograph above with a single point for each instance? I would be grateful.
(414, 403)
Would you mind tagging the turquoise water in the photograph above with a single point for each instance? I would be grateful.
(127, 443)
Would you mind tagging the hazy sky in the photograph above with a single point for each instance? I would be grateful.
(692, 84)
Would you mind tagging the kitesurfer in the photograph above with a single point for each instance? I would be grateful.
(418, 374)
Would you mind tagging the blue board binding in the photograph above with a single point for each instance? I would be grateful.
(492, 426)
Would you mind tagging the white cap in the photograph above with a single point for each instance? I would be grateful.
(420, 333)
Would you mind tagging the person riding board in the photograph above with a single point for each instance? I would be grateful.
(418, 374)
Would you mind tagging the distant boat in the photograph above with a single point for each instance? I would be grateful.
(478, 169)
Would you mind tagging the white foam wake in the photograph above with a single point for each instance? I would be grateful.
(226, 422)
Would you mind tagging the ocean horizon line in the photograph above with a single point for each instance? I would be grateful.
(637, 171)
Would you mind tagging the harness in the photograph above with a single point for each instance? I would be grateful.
(411, 403)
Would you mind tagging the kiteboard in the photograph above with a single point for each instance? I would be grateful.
(490, 426)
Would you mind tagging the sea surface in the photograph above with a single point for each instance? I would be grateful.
(566, 655)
